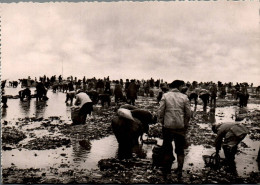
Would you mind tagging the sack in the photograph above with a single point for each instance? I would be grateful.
(125, 113)
(239, 130)
(161, 158)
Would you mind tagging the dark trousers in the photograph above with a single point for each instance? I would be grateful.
(168, 136)
(213, 99)
(132, 101)
(86, 109)
(230, 152)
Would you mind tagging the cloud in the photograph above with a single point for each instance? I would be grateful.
(190, 40)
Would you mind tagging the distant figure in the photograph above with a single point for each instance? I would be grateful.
(60, 79)
(107, 88)
(147, 88)
(41, 91)
(213, 94)
(223, 91)
(257, 90)
(70, 86)
(193, 96)
(243, 97)
(100, 86)
(132, 92)
(127, 84)
(204, 96)
(25, 93)
(118, 92)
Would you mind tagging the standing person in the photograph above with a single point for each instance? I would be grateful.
(71, 94)
(213, 94)
(126, 85)
(132, 92)
(84, 86)
(204, 96)
(118, 92)
(147, 88)
(245, 94)
(85, 107)
(100, 86)
(40, 91)
(233, 134)
(70, 86)
(60, 79)
(107, 88)
(121, 82)
(174, 113)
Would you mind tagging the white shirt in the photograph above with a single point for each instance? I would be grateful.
(81, 99)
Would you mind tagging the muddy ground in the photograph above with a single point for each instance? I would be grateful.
(21, 134)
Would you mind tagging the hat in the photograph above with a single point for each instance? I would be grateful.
(177, 83)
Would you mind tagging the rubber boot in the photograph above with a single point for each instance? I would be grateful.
(180, 160)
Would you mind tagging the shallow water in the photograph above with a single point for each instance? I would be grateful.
(55, 106)
(78, 157)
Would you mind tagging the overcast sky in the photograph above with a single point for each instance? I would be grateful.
(202, 41)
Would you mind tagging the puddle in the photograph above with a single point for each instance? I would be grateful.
(54, 106)
(74, 156)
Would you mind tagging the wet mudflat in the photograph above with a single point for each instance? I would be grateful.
(39, 145)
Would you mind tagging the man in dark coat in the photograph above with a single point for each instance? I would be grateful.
(118, 92)
(213, 94)
(132, 92)
(41, 91)
(204, 96)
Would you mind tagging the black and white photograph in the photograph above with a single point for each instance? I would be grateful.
(130, 92)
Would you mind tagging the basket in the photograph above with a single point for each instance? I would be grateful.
(212, 161)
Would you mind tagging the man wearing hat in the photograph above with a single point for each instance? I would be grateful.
(174, 113)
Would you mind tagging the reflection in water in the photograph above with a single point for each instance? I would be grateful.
(212, 115)
(25, 107)
(78, 152)
(40, 107)
(125, 152)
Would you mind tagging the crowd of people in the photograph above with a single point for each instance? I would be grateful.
(130, 89)
(174, 112)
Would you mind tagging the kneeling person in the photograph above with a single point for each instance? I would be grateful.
(85, 107)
